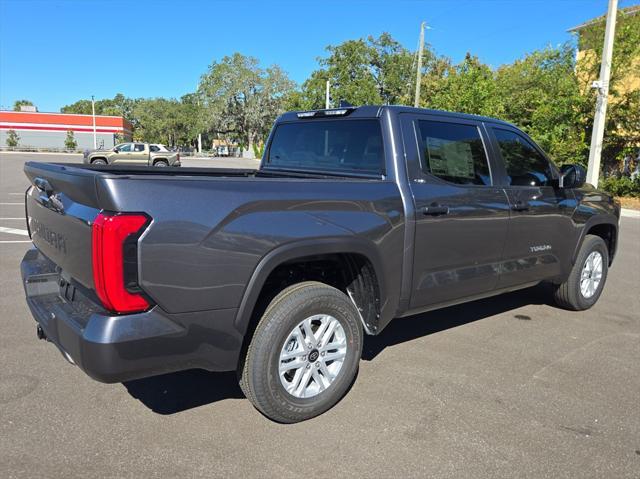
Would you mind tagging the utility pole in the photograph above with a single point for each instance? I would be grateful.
(93, 113)
(416, 101)
(327, 96)
(595, 152)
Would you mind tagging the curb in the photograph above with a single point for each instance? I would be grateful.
(39, 153)
(630, 213)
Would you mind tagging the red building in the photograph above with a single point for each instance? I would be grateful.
(49, 130)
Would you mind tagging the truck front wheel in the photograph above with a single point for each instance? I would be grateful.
(304, 354)
(586, 281)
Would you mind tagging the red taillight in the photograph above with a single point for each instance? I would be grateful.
(109, 233)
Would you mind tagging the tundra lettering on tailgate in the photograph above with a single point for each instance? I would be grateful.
(56, 240)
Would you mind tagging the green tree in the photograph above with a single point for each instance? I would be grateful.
(70, 142)
(19, 103)
(240, 100)
(12, 139)
(119, 105)
(541, 94)
(469, 87)
(362, 72)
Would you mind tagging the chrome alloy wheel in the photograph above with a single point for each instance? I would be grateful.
(591, 274)
(312, 356)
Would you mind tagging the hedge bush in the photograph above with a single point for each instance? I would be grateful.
(623, 186)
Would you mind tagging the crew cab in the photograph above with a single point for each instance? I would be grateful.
(356, 216)
(139, 154)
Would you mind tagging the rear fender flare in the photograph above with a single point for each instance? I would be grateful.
(301, 249)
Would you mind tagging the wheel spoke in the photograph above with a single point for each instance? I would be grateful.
(295, 382)
(304, 382)
(290, 354)
(334, 356)
(310, 338)
(329, 332)
(325, 371)
(284, 367)
(324, 324)
(317, 377)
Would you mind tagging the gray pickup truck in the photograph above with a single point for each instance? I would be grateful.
(356, 216)
(133, 154)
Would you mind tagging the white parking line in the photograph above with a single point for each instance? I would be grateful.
(17, 241)
(12, 204)
(17, 218)
(16, 194)
(14, 231)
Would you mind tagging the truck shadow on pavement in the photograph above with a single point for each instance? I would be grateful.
(401, 330)
(176, 392)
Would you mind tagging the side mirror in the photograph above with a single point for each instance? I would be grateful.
(115, 150)
(572, 176)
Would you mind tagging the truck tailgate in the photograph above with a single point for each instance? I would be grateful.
(60, 208)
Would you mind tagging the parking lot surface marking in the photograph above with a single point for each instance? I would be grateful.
(14, 231)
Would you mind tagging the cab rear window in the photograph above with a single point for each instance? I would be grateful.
(328, 145)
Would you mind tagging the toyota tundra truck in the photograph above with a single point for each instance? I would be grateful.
(356, 216)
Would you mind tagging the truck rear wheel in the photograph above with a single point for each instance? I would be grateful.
(304, 354)
(586, 281)
(161, 163)
(99, 161)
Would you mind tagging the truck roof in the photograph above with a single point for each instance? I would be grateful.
(373, 111)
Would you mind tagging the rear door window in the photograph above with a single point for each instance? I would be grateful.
(138, 147)
(454, 152)
(331, 145)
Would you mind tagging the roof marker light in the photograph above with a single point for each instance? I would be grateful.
(335, 112)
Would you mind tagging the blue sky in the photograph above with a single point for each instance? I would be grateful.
(56, 52)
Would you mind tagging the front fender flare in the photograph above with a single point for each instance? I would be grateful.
(590, 223)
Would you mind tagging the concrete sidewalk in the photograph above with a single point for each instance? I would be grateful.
(630, 213)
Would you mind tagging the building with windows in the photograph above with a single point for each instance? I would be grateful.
(50, 130)
(586, 58)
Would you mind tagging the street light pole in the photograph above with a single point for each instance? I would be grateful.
(595, 152)
(93, 113)
(327, 96)
(416, 101)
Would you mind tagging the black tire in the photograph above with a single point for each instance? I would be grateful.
(568, 295)
(99, 161)
(259, 375)
(161, 163)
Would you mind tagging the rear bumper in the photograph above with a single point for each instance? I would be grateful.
(112, 348)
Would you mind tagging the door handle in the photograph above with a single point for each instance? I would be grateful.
(436, 210)
(520, 206)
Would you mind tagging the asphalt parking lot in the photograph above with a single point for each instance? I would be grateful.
(504, 387)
